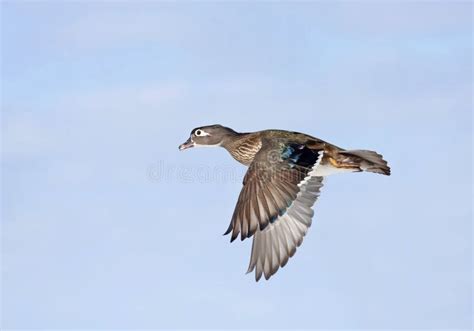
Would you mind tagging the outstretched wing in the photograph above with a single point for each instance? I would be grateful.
(275, 204)
(271, 185)
(274, 245)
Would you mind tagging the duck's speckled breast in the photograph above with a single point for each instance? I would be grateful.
(244, 150)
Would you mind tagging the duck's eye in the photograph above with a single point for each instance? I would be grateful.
(198, 132)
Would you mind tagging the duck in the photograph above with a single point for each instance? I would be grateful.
(282, 183)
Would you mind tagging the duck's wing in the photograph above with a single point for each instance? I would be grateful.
(275, 203)
(273, 246)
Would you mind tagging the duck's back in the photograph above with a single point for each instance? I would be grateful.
(244, 147)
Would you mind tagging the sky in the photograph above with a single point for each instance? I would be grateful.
(105, 224)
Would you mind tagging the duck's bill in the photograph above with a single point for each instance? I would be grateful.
(187, 144)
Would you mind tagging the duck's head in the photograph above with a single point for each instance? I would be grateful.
(208, 136)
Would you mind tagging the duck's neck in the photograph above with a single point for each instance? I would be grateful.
(231, 138)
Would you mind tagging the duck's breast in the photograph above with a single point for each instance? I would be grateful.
(244, 150)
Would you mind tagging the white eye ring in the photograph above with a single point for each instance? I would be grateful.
(201, 133)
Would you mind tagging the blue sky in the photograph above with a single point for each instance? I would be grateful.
(106, 225)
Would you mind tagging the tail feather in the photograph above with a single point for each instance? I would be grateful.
(368, 161)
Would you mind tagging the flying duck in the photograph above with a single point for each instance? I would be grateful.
(284, 178)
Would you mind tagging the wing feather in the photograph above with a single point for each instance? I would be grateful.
(286, 234)
(275, 204)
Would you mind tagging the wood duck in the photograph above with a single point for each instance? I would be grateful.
(283, 180)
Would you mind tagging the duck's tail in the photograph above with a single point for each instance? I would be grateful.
(367, 161)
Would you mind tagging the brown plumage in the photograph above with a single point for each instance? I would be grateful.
(281, 185)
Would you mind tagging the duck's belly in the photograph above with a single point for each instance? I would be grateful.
(328, 169)
(329, 166)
